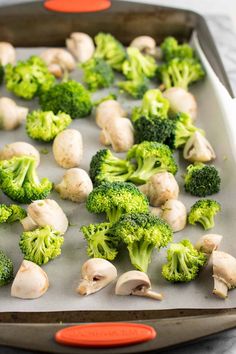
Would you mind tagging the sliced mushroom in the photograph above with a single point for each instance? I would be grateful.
(175, 214)
(96, 274)
(45, 212)
(107, 111)
(81, 46)
(11, 115)
(181, 101)
(59, 61)
(136, 283)
(30, 282)
(198, 149)
(75, 185)
(208, 243)
(19, 148)
(161, 187)
(7, 53)
(224, 273)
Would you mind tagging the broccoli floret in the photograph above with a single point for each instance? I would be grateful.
(101, 242)
(104, 166)
(138, 65)
(69, 97)
(136, 88)
(142, 232)
(6, 269)
(17, 213)
(154, 105)
(41, 245)
(1, 73)
(180, 73)
(183, 262)
(28, 78)
(171, 49)
(110, 96)
(5, 213)
(203, 212)
(97, 74)
(115, 199)
(150, 157)
(202, 180)
(156, 129)
(45, 126)
(109, 49)
(19, 180)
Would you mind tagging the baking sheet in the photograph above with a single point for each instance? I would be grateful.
(64, 271)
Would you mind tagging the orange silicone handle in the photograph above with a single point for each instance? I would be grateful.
(77, 5)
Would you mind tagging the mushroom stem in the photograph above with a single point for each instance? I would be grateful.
(220, 288)
(143, 291)
(28, 223)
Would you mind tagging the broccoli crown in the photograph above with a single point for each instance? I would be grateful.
(5, 213)
(202, 180)
(69, 97)
(136, 87)
(157, 129)
(203, 212)
(19, 180)
(142, 232)
(172, 49)
(183, 262)
(138, 65)
(45, 126)
(109, 49)
(1, 73)
(41, 245)
(97, 73)
(28, 78)
(180, 73)
(115, 199)
(101, 242)
(17, 213)
(104, 166)
(154, 105)
(6, 269)
(150, 157)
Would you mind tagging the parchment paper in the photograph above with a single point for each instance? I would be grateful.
(64, 271)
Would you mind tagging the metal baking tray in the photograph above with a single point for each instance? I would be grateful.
(30, 25)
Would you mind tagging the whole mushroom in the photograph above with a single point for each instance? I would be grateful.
(81, 46)
(155, 211)
(75, 185)
(59, 61)
(208, 243)
(107, 111)
(19, 148)
(68, 148)
(181, 101)
(7, 53)
(11, 115)
(146, 45)
(175, 214)
(96, 273)
(198, 149)
(224, 273)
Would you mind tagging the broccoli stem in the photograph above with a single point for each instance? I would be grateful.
(32, 175)
(21, 171)
(146, 169)
(114, 214)
(207, 222)
(140, 254)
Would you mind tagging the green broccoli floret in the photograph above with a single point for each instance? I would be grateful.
(154, 105)
(183, 262)
(6, 269)
(172, 49)
(156, 129)
(142, 232)
(97, 74)
(41, 245)
(19, 180)
(104, 166)
(115, 199)
(180, 73)
(109, 49)
(69, 97)
(101, 242)
(45, 126)
(151, 158)
(28, 78)
(110, 96)
(1, 74)
(17, 213)
(203, 212)
(5, 213)
(136, 88)
(202, 180)
(138, 65)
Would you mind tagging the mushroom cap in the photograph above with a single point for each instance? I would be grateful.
(81, 46)
(208, 243)
(19, 148)
(130, 281)
(107, 111)
(224, 268)
(11, 115)
(120, 134)
(144, 43)
(7, 53)
(175, 214)
(155, 211)
(198, 149)
(58, 60)
(181, 101)
(30, 281)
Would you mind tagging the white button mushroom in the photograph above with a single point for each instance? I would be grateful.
(30, 282)
(107, 111)
(224, 273)
(181, 101)
(155, 211)
(81, 46)
(136, 283)
(45, 212)
(19, 148)
(208, 243)
(58, 60)
(96, 273)
(146, 45)
(175, 214)
(68, 148)
(7, 53)
(11, 115)
(161, 187)
(75, 185)
(198, 149)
